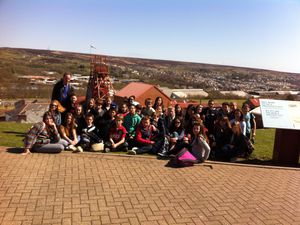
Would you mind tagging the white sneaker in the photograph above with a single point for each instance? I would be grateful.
(78, 149)
(132, 151)
(71, 147)
(106, 150)
(162, 154)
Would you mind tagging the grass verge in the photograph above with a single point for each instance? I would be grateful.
(12, 133)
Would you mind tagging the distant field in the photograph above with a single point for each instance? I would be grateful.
(12, 133)
(213, 78)
(220, 101)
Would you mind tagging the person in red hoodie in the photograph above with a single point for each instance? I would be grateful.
(145, 135)
(117, 134)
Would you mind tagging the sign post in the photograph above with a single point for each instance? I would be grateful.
(285, 117)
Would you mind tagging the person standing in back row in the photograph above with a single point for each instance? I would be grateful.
(249, 118)
(209, 115)
(62, 90)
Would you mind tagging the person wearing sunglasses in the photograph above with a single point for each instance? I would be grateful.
(53, 109)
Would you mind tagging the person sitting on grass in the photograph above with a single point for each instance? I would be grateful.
(79, 119)
(196, 143)
(105, 123)
(131, 122)
(189, 127)
(145, 134)
(117, 134)
(68, 131)
(161, 138)
(176, 134)
(89, 135)
(222, 135)
(44, 137)
(237, 146)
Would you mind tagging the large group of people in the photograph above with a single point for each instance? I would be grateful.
(207, 132)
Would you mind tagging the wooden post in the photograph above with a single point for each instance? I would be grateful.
(287, 147)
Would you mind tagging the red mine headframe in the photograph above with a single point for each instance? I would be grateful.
(100, 85)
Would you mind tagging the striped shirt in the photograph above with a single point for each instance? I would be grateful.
(38, 134)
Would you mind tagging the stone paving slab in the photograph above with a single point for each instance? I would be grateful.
(93, 188)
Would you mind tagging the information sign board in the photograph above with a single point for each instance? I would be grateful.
(280, 114)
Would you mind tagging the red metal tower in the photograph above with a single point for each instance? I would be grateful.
(100, 84)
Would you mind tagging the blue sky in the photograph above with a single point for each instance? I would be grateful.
(252, 33)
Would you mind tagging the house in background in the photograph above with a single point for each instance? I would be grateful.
(141, 91)
(241, 94)
(188, 93)
(28, 112)
(33, 112)
(184, 93)
(12, 115)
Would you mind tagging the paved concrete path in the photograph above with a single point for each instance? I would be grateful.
(93, 188)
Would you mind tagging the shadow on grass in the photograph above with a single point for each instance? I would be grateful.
(268, 162)
(18, 134)
(15, 150)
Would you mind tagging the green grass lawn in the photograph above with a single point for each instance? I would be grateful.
(264, 144)
(263, 152)
(12, 133)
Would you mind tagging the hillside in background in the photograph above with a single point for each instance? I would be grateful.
(17, 64)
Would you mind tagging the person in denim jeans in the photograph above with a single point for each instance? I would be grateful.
(145, 135)
(117, 134)
(43, 137)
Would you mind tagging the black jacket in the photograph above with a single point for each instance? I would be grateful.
(58, 90)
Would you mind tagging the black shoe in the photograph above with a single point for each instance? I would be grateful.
(163, 153)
